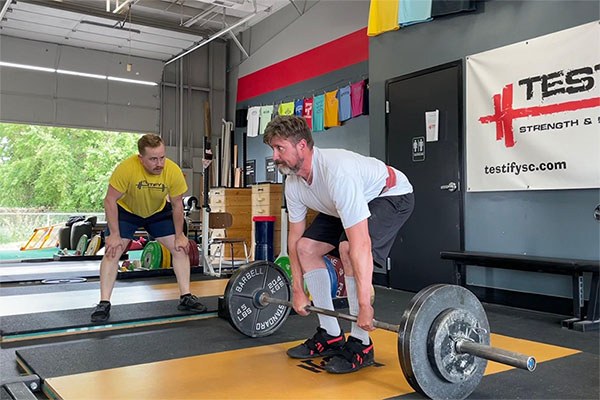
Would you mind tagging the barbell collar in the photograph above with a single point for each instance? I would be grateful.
(507, 357)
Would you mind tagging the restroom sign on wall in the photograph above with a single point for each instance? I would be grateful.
(418, 148)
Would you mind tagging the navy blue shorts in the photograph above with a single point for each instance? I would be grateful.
(388, 214)
(157, 225)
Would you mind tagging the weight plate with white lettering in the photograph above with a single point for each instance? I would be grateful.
(241, 298)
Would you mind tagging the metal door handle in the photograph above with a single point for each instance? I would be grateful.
(451, 187)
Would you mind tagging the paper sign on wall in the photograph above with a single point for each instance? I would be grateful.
(431, 125)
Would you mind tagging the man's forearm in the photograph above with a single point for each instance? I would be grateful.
(295, 263)
(362, 265)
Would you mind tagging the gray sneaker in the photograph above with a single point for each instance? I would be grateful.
(189, 302)
(101, 312)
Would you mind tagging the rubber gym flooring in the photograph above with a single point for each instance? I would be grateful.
(149, 350)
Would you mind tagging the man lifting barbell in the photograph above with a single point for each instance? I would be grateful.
(362, 204)
(443, 334)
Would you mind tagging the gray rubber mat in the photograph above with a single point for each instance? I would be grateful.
(119, 314)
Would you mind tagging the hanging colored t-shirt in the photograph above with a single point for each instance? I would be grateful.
(383, 17)
(318, 119)
(286, 108)
(298, 106)
(307, 111)
(253, 118)
(356, 96)
(412, 12)
(445, 7)
(345, 103)
(331, 109)
(266, 112)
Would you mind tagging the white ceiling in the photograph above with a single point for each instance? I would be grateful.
(156, 29)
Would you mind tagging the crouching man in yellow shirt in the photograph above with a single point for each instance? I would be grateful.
(137, 197)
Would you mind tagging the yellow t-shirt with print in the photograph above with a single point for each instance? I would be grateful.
(144, 194)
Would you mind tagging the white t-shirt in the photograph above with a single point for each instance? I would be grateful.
(343, 183)
(253, 121)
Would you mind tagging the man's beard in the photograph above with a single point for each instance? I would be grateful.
(289, 170)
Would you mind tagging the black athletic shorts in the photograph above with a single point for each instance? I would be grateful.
(388, 214)
(157, 225)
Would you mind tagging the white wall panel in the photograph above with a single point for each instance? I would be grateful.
(13, 80)
(80, 114)
(19, 108)
(133, 95)
(142, 68)
(132, 119)
(80, 88)
(83, 60)
(48, 98)
(28, 52)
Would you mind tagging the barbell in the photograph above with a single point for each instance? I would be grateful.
(443, 334)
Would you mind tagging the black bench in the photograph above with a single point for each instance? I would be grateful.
(584, 318)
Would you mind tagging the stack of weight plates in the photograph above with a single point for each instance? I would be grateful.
(193, 254)
(93, 245)
(166, 257)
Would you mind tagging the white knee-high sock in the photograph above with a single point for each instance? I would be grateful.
(357, 331)
(319, 286)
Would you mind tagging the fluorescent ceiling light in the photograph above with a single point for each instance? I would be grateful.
(86, 75)
(75, 73)
(25, 66)
(114, 78)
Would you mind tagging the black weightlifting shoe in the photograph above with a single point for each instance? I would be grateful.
(320, 345)
(189, 302)
(101, 312)
(354, 356)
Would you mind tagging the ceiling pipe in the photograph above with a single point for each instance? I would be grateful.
(121, 6)
(7, 4)
(213, 37)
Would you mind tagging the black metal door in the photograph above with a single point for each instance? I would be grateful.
(433, 167)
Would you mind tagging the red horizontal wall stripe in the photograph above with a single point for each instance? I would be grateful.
(339, 53)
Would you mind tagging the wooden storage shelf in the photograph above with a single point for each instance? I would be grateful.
(237, 202)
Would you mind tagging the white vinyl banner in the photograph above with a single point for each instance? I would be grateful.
(533, 113)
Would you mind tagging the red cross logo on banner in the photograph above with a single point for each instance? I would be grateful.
(504, 114)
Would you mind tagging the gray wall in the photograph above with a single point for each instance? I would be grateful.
(544, 223)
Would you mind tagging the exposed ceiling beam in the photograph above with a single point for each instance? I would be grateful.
(135, 19)
(198, 17)
(238, 44)
(213, 37)
(7, 4)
